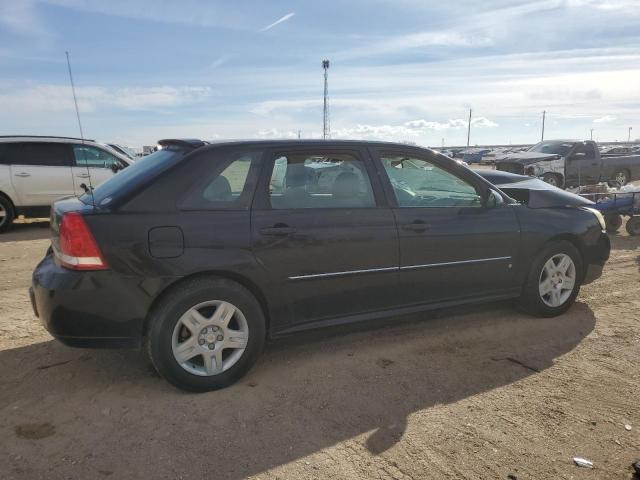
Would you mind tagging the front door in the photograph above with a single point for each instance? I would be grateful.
(92, 165)
(582, 165)
(452, 246)
(40, 172)
(324, 234)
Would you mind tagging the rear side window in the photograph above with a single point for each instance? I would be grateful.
(43, 154)
(227, 182)
(133, 177)
(308, 180)
(87, 155)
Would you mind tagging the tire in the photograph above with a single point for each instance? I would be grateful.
(613, 222)
(7, 214)
(621, 177)
(532, 300)
(633, 226)
(553, 179)
(193, 358)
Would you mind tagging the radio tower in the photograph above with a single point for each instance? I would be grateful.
(326, 128)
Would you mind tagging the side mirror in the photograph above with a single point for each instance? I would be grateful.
(578, 156)
(494, 199)
(116, 167)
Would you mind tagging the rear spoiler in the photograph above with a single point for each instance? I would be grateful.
(191, 143)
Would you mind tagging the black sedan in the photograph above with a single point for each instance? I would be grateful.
(201, 252)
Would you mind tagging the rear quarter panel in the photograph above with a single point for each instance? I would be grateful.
(6, 187)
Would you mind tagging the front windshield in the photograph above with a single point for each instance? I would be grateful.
(555, 148)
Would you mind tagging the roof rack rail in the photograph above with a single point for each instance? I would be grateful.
(46, 136)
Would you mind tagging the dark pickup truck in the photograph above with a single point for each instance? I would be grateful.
(571, 163)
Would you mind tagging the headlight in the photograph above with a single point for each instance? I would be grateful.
(599, 216)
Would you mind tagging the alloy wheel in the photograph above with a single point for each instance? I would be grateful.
(557, 280)
(621, 178)
(210, 338)
(3, 215)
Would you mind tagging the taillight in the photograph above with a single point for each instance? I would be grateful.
(78, 249)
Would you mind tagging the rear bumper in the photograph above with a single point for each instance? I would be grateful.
(89, 309)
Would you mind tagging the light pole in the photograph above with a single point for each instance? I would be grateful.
(591, 136)
(469, 129)
(629, 136)
(544, 114)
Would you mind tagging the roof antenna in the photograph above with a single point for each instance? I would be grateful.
(89, 189)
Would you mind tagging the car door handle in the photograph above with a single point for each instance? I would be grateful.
(82, 175)
(278, 230)
(416, 226)
(23, 174)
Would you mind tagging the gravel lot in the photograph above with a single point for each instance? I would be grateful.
(475, 392)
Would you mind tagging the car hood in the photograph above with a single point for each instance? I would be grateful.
(538, 194)
(526, 158)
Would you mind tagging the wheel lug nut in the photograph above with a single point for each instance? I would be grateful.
(211, 346)
(220, 338)
(204, 331)
(201, 341)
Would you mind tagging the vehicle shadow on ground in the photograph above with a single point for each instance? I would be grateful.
(26, 230)
(106, 412)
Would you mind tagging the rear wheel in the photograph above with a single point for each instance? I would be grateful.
(553, 179)
(206, 334)
(7, 214)
(554, 280)
(613, 222)
(633, 226)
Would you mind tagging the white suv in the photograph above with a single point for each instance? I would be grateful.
(35, 171)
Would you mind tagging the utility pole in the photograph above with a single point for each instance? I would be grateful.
(469, 129)
(544, 114)
(629, 136)
(591, 135)
(326, 129)
(299, 132)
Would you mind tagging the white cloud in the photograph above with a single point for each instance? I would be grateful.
(55, 98)
(278, 22)
(605, 119)
(277, 133)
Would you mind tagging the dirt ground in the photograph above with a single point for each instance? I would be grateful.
(470, 393)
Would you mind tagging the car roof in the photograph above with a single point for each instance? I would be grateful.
(42, 138)
(195, 143)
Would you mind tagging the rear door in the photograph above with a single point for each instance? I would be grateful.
(322, 230)
(96, 162)
(41, 172)
(451, 245)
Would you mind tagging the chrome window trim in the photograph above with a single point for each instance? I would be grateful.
(390, 269)
(460, 262)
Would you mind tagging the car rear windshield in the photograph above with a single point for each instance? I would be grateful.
(134, 176)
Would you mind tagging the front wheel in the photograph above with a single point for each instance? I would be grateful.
(553, 179)
(206, 334)
(554, 280)
(7, 214)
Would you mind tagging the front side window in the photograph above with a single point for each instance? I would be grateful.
(587, 149)
(226, 184)
(88, 156)
(310, 180)
(419, 183)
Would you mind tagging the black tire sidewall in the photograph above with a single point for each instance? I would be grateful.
(613, 222)
(556, 177)
(531, 299)
(633, 226)
(8, 220)
(181, 299)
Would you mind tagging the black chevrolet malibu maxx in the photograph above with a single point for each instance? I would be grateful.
(203, 251)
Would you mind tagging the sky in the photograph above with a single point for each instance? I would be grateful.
(401, 70)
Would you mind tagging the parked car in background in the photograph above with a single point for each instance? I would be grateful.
(203, 251)
(36, 171)
(571, 163)
(126, 151)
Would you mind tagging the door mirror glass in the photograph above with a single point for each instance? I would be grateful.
(494, 199)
